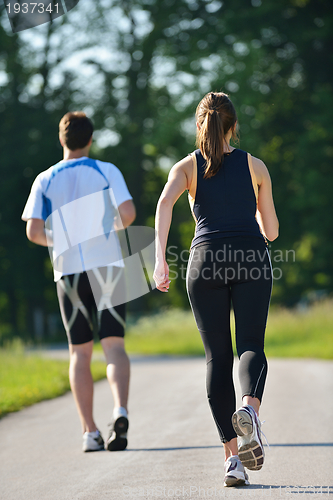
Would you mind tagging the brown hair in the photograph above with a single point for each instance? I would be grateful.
(215, 116)
(75, 130)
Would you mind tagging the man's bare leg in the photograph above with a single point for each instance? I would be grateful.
(81, 382)
(117, 370)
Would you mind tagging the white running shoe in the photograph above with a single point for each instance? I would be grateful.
(247, 427)
(92, 441)
(235, 474)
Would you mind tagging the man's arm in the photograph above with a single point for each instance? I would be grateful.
(36, 232)
(127, 214)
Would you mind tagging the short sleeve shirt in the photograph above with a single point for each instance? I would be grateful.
(78, 200)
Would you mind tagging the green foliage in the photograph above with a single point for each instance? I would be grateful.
(139, 68)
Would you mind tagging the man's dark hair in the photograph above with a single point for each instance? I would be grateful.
(75, 130)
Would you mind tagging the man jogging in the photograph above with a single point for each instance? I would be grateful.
(75, 208)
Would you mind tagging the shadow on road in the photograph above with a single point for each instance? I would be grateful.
(174, 448)
(299, 444)
(291, 445)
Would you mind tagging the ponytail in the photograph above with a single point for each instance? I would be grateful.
(210, 141)
(215, 115)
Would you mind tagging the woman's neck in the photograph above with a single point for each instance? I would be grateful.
(226, 146)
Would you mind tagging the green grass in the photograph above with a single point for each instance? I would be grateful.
(290, 333)
(26, 379)
(172, 332)
(301, 334)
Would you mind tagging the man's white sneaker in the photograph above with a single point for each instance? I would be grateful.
(247, 427)
(92, 441)
(235, 474)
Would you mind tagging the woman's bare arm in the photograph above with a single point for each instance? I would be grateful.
(266, 215)
(178, 181)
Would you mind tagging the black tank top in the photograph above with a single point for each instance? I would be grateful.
(225, 204)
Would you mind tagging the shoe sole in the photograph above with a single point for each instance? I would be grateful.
(119, 442)
(233, 481)
(100, 448)
(250, 450)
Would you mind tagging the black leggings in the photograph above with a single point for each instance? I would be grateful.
(226, 270)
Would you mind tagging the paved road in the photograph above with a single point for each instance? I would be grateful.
(174, 451)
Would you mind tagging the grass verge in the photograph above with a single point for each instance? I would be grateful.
(172, 332)
(301, 334)
(26, 379)
(290, 333)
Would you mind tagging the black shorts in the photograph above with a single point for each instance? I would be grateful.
(79, 311)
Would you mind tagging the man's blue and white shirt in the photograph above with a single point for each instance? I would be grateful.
(78, 200)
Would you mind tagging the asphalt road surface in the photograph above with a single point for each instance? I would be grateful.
(174, 450)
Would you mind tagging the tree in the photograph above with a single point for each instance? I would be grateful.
(139, 68)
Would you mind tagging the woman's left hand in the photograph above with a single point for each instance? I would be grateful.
(161, 276)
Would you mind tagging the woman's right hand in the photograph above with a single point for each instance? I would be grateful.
(161, 275)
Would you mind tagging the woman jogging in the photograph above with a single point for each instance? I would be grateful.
(230, 195)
